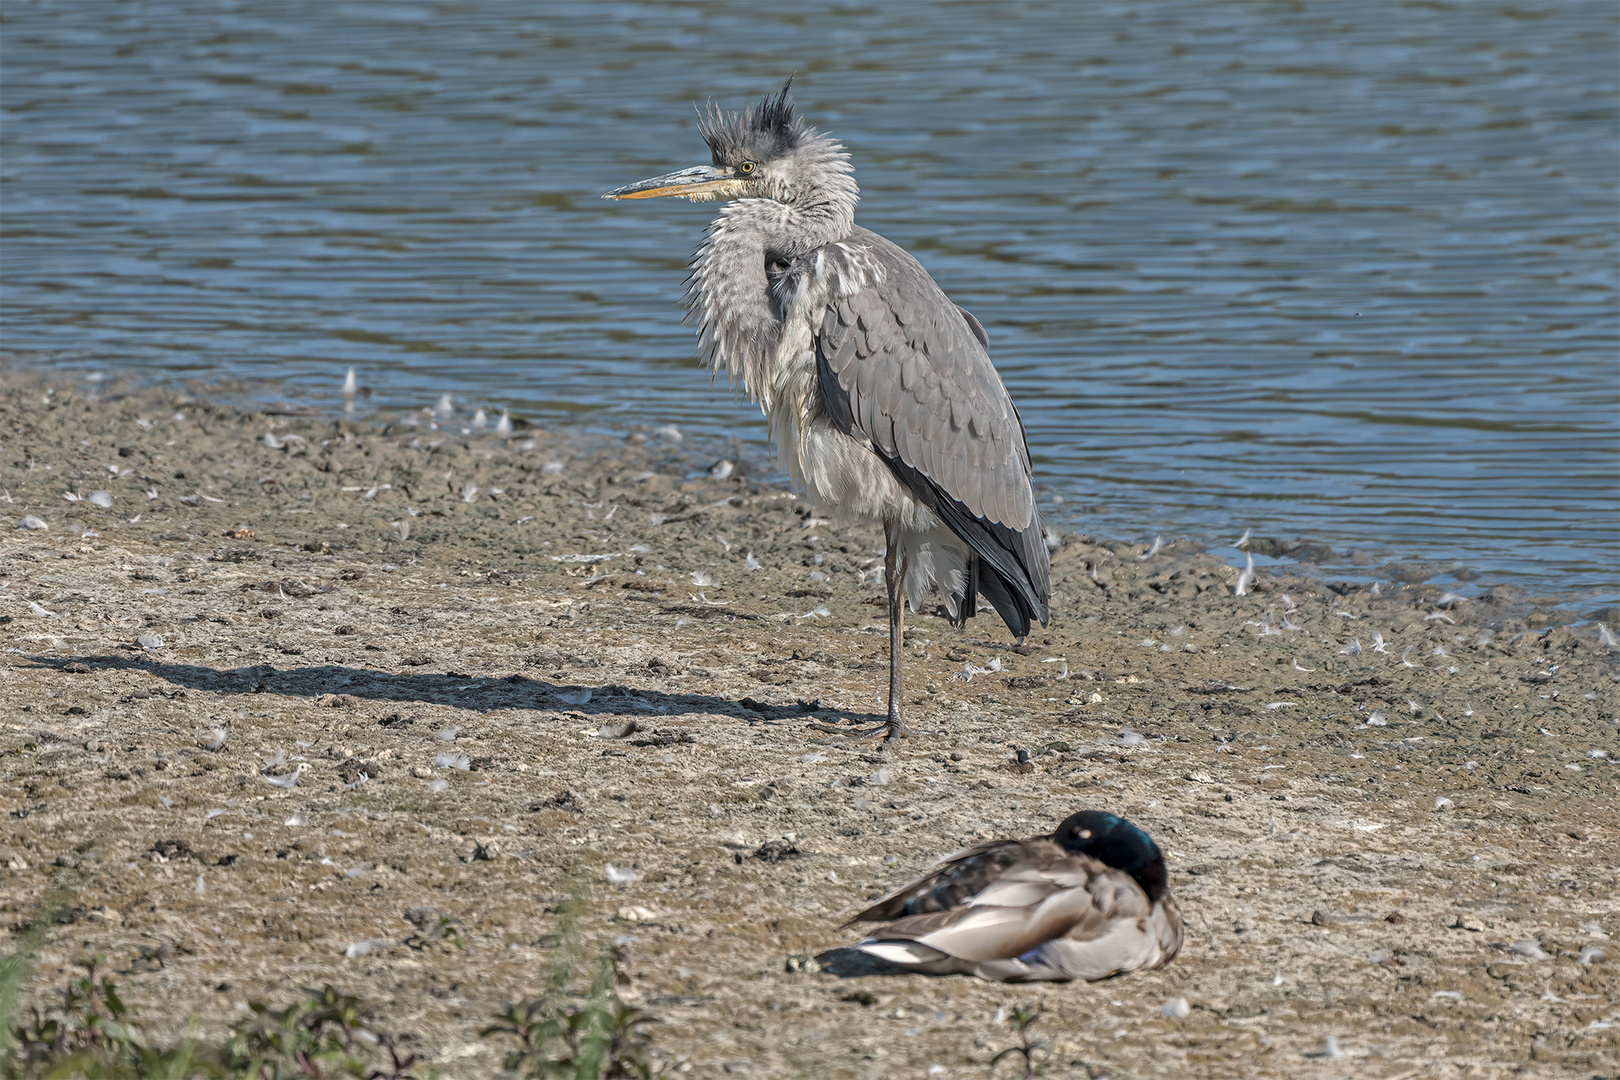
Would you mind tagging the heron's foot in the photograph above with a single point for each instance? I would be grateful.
(892, 731)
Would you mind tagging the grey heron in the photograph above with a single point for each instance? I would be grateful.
(878, 391)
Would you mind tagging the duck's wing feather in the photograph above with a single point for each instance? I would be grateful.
(961, 876)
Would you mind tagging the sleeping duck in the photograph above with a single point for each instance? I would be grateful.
(1090, 901)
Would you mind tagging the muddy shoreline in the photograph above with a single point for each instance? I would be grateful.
(355, 669)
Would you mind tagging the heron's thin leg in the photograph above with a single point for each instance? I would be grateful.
(894, 573)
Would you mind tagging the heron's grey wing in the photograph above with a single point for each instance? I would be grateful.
(902, 367)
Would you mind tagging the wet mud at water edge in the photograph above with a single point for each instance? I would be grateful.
(335, 671)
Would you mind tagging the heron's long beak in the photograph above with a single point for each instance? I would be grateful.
(700, 182)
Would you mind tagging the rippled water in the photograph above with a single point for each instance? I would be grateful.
(1338, 272)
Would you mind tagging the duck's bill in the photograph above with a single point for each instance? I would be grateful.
(700, 182)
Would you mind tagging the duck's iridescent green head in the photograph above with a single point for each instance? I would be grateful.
(1113, 841)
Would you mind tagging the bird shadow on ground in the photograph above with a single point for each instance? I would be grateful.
(479, 693)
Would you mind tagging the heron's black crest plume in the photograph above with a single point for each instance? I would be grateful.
(759, 132)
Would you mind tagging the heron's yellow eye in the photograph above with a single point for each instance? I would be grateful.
(746, 167)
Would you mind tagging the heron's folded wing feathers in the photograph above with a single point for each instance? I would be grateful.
(911, 374)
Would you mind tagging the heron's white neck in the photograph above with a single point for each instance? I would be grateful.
(728, 292)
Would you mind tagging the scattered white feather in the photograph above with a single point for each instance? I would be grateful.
(1352, 649)
(287, 781)
(102, 499)
(1443, 803)
(296, 819)
(469, 492)
(1592, 955)
(350, 385)
(669, 433)
(1244, 539)
(1407, 653)
(150, 640)
(451, 760)
(1175, 1009)
(1378, 642)
(1158, 545)
(503, 426)
(445, 407)
(438, 786)
(32, 523)
(1606, 637)
(1245, 577)
(750, 563)
(1297, 667)
(704, 580)
(216, 739)
(361, 948)
(479, 421)
(1330, 1049)
(201, 887)
(880, 778)
(39, 610)
(447, 734)
(1376, 720)
(620, 875)
(1128, 737)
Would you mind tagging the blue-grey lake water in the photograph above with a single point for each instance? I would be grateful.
(1342, 272)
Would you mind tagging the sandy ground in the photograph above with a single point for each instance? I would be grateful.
(303, 675)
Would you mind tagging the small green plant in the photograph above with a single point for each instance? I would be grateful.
(1022, 1020)
(85, 1034)
(328, 1034)
(602, 1039)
